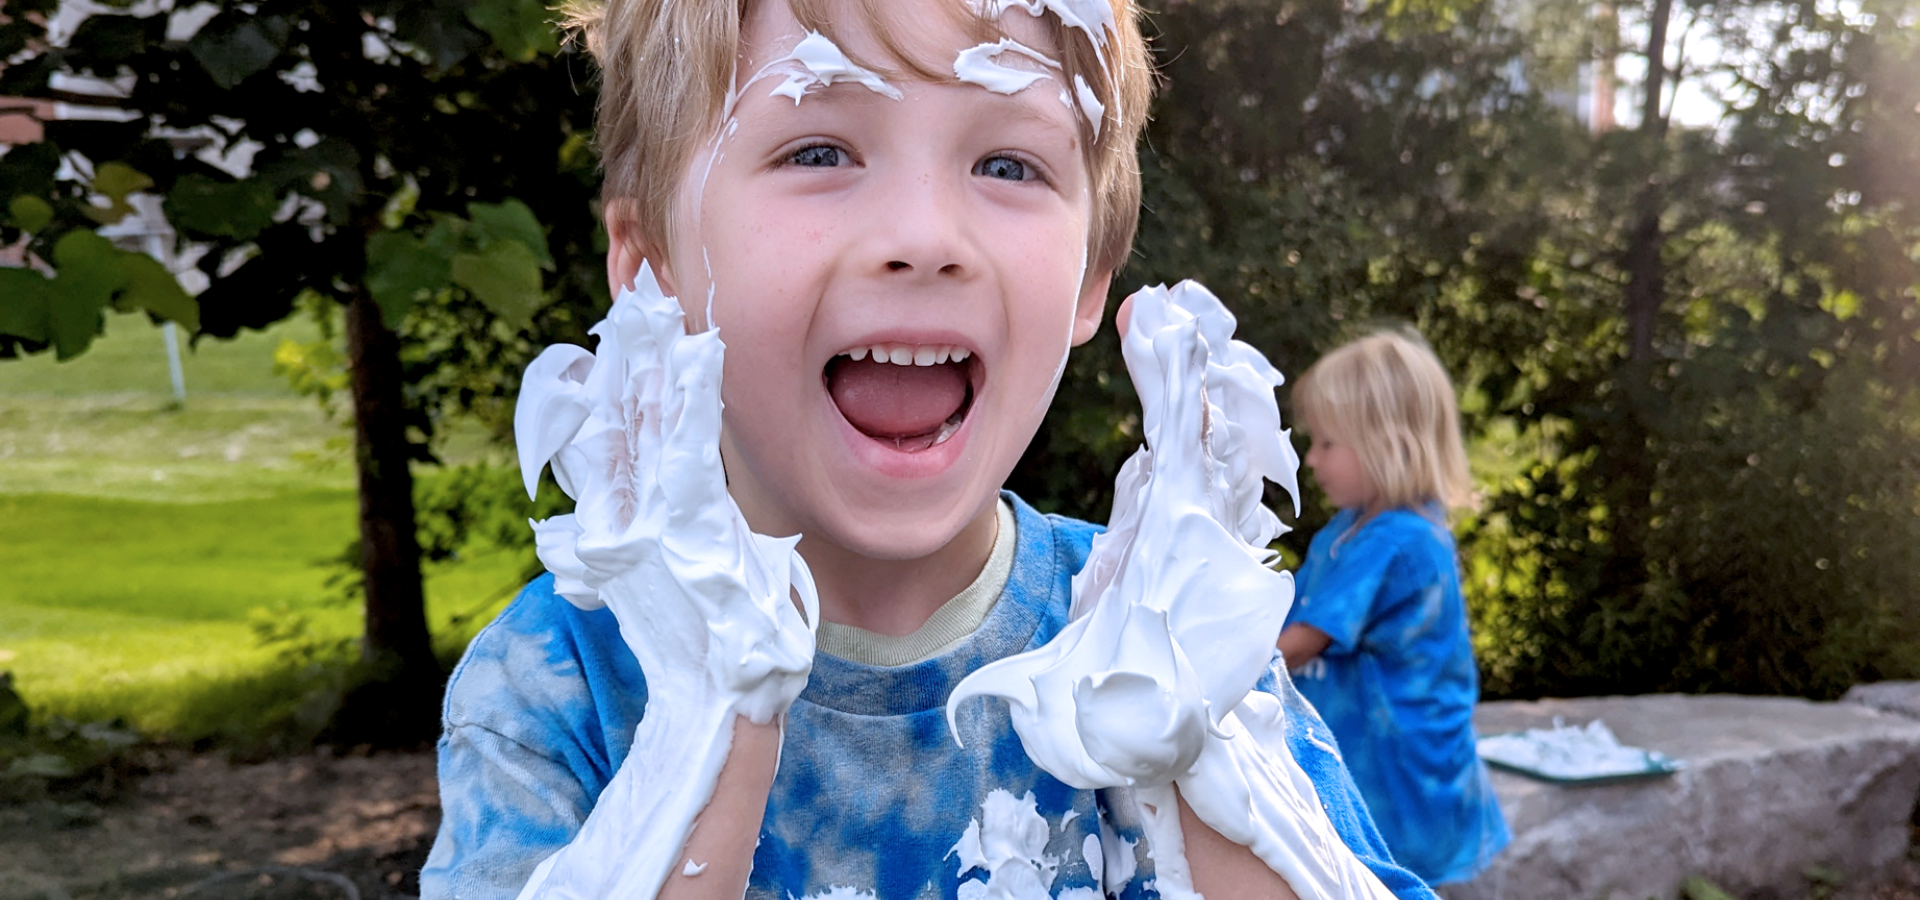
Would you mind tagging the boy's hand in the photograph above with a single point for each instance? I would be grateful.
(1176, 612)
(720, 619)
(633, 434)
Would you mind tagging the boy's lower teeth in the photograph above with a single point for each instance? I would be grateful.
(919, 442)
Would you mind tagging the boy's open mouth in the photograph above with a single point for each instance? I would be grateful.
(912, 396)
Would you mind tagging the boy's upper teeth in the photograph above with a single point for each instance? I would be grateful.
(911, 354)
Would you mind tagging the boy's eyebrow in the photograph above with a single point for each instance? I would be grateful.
(834, 93)
(1028, 111)
(1017, 106)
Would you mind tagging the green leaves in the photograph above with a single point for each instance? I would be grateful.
(232, 47)
(503, 269)
(89, 276)
(505, 277)
(149, 286)
(239, 209)
(23, 305)
(328, 171)
(399, 267)
(29, 213)
(520, 28)
(496, 254)
(440, 29)
(116, 180)
(511, 221)
(64, 311)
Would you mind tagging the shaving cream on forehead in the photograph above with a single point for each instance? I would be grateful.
(981, 65)
(816, 62)
(1095, 17)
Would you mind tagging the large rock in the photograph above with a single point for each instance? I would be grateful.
(1770, 786)
(1898, 697)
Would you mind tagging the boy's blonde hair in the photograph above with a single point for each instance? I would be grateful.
(668, 65)
(1388, 397)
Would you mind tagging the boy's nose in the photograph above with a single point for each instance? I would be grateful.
(901, 265)
(923, 231)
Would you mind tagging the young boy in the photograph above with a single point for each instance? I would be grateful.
(899, 215)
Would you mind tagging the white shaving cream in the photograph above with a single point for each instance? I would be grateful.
(631, 431)
(1090, 105)
(817, 62)
(1175, 615)
(1008, 841)
(1159, 813)
(981, 65)
(1118, 862)
(1095, 17)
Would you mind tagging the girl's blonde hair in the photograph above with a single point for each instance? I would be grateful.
(1387, 396)
(667, 66)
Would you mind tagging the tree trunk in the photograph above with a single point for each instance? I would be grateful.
(1630, 464)
(402, 677)
(1646, 272)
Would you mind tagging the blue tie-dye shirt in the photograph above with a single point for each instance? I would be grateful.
(872, 793)
(1398, 685)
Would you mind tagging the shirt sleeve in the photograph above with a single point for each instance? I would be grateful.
(521, 756)
(1339, 589)
(504, 809)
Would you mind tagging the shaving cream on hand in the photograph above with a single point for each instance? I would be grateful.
(632, 432)
(1176, 612)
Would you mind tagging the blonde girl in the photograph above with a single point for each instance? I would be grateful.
(1377, 637)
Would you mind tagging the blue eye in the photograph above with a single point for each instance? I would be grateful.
(817, 156)
(1003, 167)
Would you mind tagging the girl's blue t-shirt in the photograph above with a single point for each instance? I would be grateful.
(1398, 684)
(872, 794)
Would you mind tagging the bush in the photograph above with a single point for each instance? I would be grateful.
(1784, 548)
(1791, 538)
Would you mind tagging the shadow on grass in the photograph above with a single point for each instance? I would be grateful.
(301, 700)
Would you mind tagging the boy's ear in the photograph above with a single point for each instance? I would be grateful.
(1091, 305)
(626, 250)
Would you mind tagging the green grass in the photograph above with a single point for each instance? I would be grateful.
(139, 538)
(104, 424)
(125, 446)
(131, 358)
(186, 562)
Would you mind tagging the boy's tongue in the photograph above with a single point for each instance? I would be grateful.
(888, 401)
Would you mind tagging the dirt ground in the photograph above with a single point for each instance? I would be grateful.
(200, 828)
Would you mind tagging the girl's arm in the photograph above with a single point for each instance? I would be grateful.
(1299, 643)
